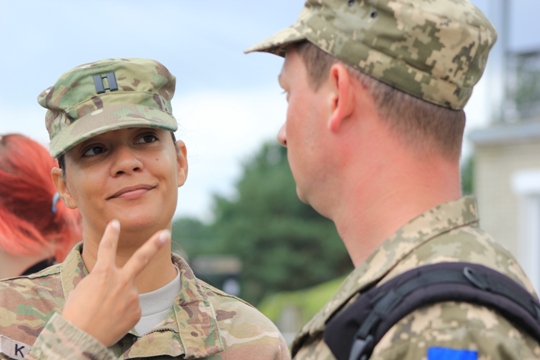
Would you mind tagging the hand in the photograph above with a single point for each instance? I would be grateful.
(105, 304)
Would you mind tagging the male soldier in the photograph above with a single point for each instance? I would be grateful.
(376, 91)
(122, 294)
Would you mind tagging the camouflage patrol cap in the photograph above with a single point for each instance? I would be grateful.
(435, 50)
(107, 95)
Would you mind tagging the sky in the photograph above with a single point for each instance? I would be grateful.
(226, 103)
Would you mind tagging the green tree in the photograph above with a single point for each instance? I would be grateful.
(467, 175)
(191, 238)
(283, 244)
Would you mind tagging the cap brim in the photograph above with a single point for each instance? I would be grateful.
(107, 119)
(277, 43)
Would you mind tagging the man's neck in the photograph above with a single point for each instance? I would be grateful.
(365, 219)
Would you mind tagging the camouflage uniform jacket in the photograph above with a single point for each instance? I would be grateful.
(446, 233)
(202, 323)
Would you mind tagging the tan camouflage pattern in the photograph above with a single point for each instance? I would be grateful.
(77, 112)
(435, 50)
(447, 233)
(203, 323)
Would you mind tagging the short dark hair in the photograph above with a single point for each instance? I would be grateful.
(413, 119)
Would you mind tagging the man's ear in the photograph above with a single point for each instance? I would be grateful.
(61, 187)
(342, 99)
(182, 162)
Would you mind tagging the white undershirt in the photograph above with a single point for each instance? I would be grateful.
(156, 304)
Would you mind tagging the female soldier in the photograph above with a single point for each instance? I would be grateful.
(118, 294)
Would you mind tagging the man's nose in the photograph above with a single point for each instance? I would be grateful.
(282, 136)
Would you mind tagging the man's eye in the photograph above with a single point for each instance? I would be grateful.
(147, 139)
(94, 150)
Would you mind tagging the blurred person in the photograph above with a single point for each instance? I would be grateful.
(374, 128)
(36, 230)
(121, 293)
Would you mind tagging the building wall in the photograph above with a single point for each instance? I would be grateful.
(495, 166)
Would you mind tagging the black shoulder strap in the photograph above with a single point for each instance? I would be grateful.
(353, 333)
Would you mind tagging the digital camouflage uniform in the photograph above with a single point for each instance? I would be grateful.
(203, 322)
(447, 233)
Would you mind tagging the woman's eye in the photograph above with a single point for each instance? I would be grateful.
(147, 139)
(94, 150)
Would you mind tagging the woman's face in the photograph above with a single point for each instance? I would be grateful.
(130, 174)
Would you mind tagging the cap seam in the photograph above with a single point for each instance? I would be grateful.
(445, 17)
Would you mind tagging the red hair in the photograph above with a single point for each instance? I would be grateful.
(28, 225)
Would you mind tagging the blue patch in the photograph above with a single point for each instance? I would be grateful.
(451, 354)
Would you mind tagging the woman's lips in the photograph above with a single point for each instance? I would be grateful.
(132, 192)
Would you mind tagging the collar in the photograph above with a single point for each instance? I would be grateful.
(434, 222)
(190, 330)
(39, 266)
(73, 270)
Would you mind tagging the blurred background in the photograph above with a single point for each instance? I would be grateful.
(238, 220)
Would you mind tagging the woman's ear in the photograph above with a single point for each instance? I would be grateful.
(182, 162)
(61, 187)
(342, 100)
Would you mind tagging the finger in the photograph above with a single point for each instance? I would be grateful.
(145, 253)
(107, 247)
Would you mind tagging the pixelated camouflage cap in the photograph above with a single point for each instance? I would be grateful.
(435, 50)
(107, 95)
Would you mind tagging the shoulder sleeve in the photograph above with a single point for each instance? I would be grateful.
(461, 330)
(246, 332)
(59, 339)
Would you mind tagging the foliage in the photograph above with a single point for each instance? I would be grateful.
(191, 237)
(467, 175)
(307, 301)
(283, 244)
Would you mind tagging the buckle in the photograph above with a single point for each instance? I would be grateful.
(476, 279)
(360, 347)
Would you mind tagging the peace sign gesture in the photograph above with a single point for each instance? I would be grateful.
(108, 294)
